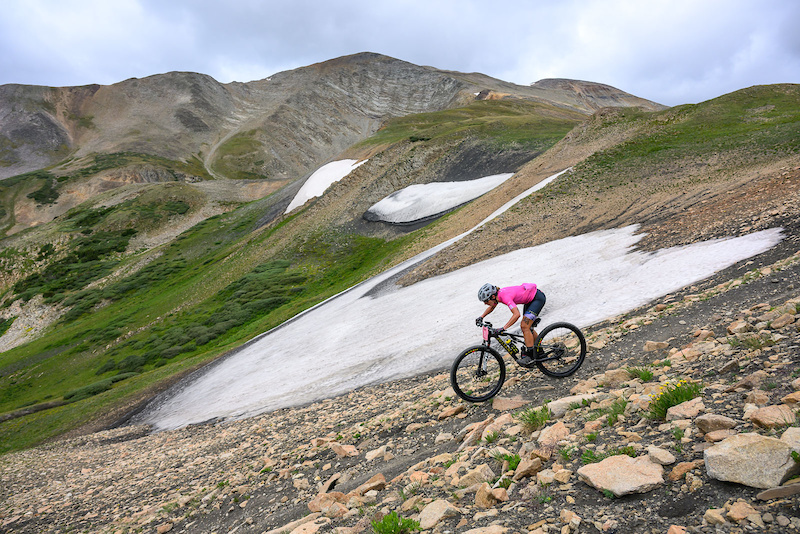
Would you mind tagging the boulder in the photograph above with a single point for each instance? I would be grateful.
(503, 404)
(435, 512)
(623, 475)
(660, 456)
(550, 436)
(784, 320)
(750, 459)
(377, 483)
(482, 473)
(615, 377)
(772, 416)
(710, 422)
(686, 410)
(559, 407)
(651, 346)
(527, 467)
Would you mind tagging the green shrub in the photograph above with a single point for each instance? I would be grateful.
(47, 194)
(512, 459)
(533, 419)
(5, 324)
(394, 524)
(617, 408)
(645, 375)
(177, 207)
(671, 395)
(88, 391)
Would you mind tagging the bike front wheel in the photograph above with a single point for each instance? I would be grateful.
(561, 350)
(478, 374)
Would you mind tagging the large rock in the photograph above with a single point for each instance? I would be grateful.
(503, 404)
(772, 416)
(623, 475)
(559, 407)
(482, 473)
(750, 459)
(437, 511)
(710, 422)
(686, 410)
(550, 436)
(527, 468)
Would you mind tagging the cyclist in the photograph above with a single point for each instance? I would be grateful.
(527, 294)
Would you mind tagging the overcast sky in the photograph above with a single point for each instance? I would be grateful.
(671, 51)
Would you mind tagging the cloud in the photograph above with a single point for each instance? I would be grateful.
(670, 51)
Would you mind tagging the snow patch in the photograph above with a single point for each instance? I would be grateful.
(361, 339)
(361, 336)
(420, 201)
(322, 179)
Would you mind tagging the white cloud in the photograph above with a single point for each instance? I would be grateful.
(671, 51)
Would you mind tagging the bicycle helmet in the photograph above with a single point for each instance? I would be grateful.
(486, 292)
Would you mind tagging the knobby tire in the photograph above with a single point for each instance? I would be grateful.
(478, 374)
(563, 350)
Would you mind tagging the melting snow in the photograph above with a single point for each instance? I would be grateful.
(419, 201)
(377, 331)
(322, 179)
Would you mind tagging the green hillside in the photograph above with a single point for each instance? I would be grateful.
(137, 317)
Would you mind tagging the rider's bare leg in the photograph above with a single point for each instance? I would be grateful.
(528, 333)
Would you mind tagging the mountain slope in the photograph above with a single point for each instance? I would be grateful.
(145, 291)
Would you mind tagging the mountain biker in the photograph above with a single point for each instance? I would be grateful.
(527, 294)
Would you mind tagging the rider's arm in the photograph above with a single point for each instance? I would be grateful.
(489, 309)
(514, 317)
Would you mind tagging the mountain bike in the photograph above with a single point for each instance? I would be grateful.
(478, 372)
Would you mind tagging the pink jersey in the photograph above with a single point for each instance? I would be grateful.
(513, 295)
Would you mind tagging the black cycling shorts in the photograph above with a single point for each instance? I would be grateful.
(534, 307)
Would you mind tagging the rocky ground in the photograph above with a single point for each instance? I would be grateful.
(714, 465)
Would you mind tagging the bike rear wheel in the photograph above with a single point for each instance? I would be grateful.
(478, 374)
(562, 350)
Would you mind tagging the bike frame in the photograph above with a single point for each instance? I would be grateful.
(513, 338)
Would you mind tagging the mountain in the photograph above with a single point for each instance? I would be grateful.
(146, 230)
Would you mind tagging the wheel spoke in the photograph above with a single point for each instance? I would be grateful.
(477, 374)
(564, 349)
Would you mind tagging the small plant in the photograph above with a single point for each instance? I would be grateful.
(671, 395)
(410, 490)
(616, 409)
(755, 342)
(591, 436)
(394, 524)
(504, 483)
(512, 459)
(533, 419)
(589, 456)
(452, 460)
(566, 453)
(643, 374)
(662, 363)
(491, 437)
(677, 433)
(796, 457)
(608, 494)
